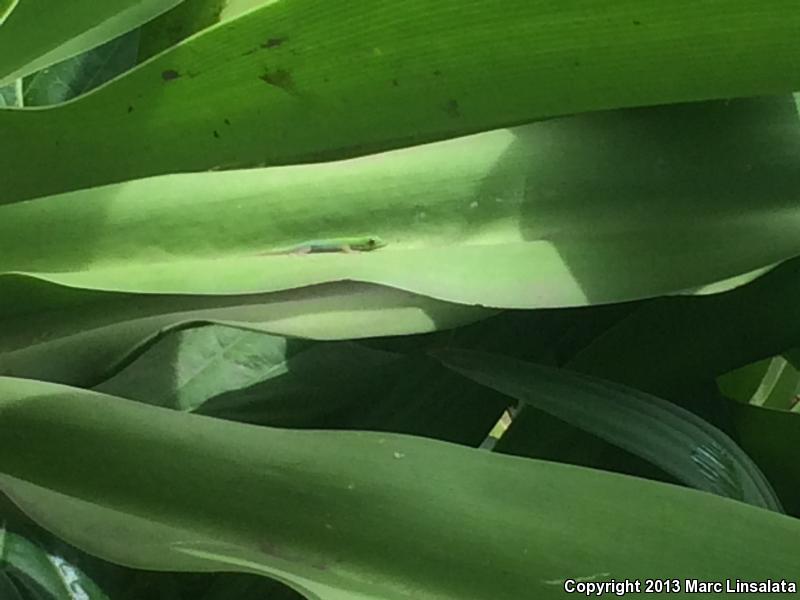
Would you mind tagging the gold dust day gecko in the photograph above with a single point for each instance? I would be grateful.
(344, 244)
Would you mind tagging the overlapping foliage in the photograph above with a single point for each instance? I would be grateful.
(175, 397)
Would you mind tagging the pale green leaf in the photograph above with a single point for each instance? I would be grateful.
(529, 217)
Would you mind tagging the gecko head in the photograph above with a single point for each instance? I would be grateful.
(374, 242)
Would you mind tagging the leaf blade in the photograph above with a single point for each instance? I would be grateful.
(339, 63)
(288, 488)
(670, 437)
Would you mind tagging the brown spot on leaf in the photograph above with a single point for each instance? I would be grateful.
(279, 78)
(451, 108)
(273, 42)
(170, 75)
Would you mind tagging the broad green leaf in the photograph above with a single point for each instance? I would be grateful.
(81, 337)
(316, 508)
(524, 218)
(683, 445)
(300, 80)
(79, 74)
(31, 572)
(39, 33)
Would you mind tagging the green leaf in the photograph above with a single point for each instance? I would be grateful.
(270, 380)
(66, 29)
(234, 8)
(683, 445)
(174, 26)
(79, 74)
(537, 434)
(28, 571)
(316, 508)
(82, 337)
(299, 81)
(498, 219)
(185, 369)
(772, 383)
(11, 94)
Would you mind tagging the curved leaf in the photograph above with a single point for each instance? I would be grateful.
(303, 80)
(34, 573)
(316, 508)
(78, 337)
(40, 33)
(672, 438)
(525, 218)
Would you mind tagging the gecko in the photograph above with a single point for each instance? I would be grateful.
(345, 244)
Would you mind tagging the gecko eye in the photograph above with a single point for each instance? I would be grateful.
(371, 242)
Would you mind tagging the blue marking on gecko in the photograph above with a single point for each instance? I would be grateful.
(345, 244)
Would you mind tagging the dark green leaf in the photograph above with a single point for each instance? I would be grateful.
(677, 441)
(37, 574)
(75, 76)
